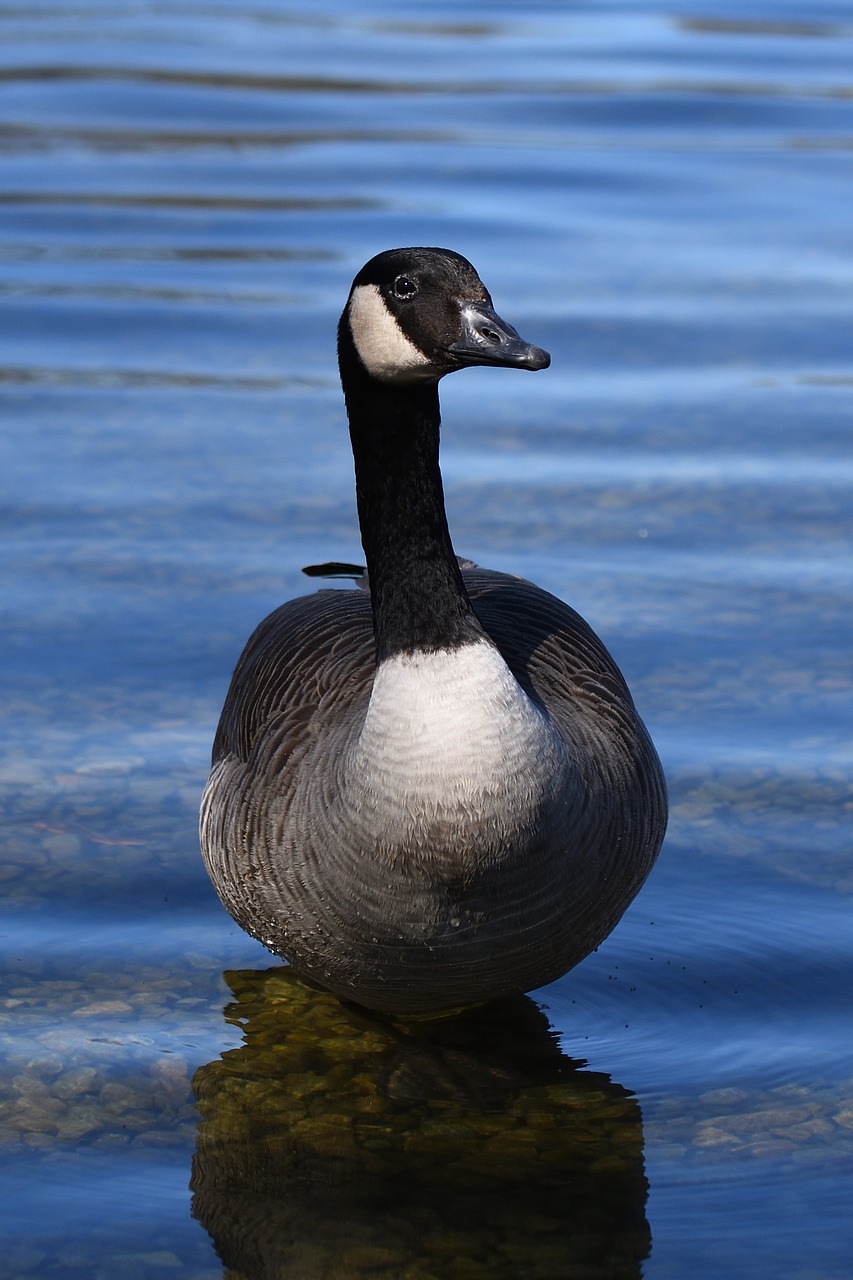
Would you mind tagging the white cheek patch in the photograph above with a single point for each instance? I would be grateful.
(383, 348)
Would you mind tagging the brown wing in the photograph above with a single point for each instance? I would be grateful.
(560, 661)
(313, 654)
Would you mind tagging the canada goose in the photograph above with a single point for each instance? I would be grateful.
(436, 791)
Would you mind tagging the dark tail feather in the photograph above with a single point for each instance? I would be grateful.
(334, 569)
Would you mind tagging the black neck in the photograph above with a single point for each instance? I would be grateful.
(419, 600)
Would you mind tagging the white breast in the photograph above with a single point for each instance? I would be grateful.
(451, 737)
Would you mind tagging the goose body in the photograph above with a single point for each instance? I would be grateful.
(432, 790)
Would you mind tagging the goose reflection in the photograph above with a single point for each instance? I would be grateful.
(339, 1146)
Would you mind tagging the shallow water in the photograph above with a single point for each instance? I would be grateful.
(660, 196)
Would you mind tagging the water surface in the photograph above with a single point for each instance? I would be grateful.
(660, 196)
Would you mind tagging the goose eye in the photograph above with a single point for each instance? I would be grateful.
(405, 287)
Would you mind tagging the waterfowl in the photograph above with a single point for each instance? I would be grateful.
(432, 789)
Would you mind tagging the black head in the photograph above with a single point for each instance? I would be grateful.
(414, 315)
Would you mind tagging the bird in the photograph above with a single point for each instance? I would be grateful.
(430, 789)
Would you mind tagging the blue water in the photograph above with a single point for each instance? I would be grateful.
(660, 195)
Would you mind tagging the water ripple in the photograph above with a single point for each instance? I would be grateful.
(111, 377)
(168, 200)
(22, 137)
(358, 86)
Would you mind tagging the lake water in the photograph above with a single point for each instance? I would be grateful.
(660, 194)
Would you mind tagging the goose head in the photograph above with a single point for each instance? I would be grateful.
(414, 315)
